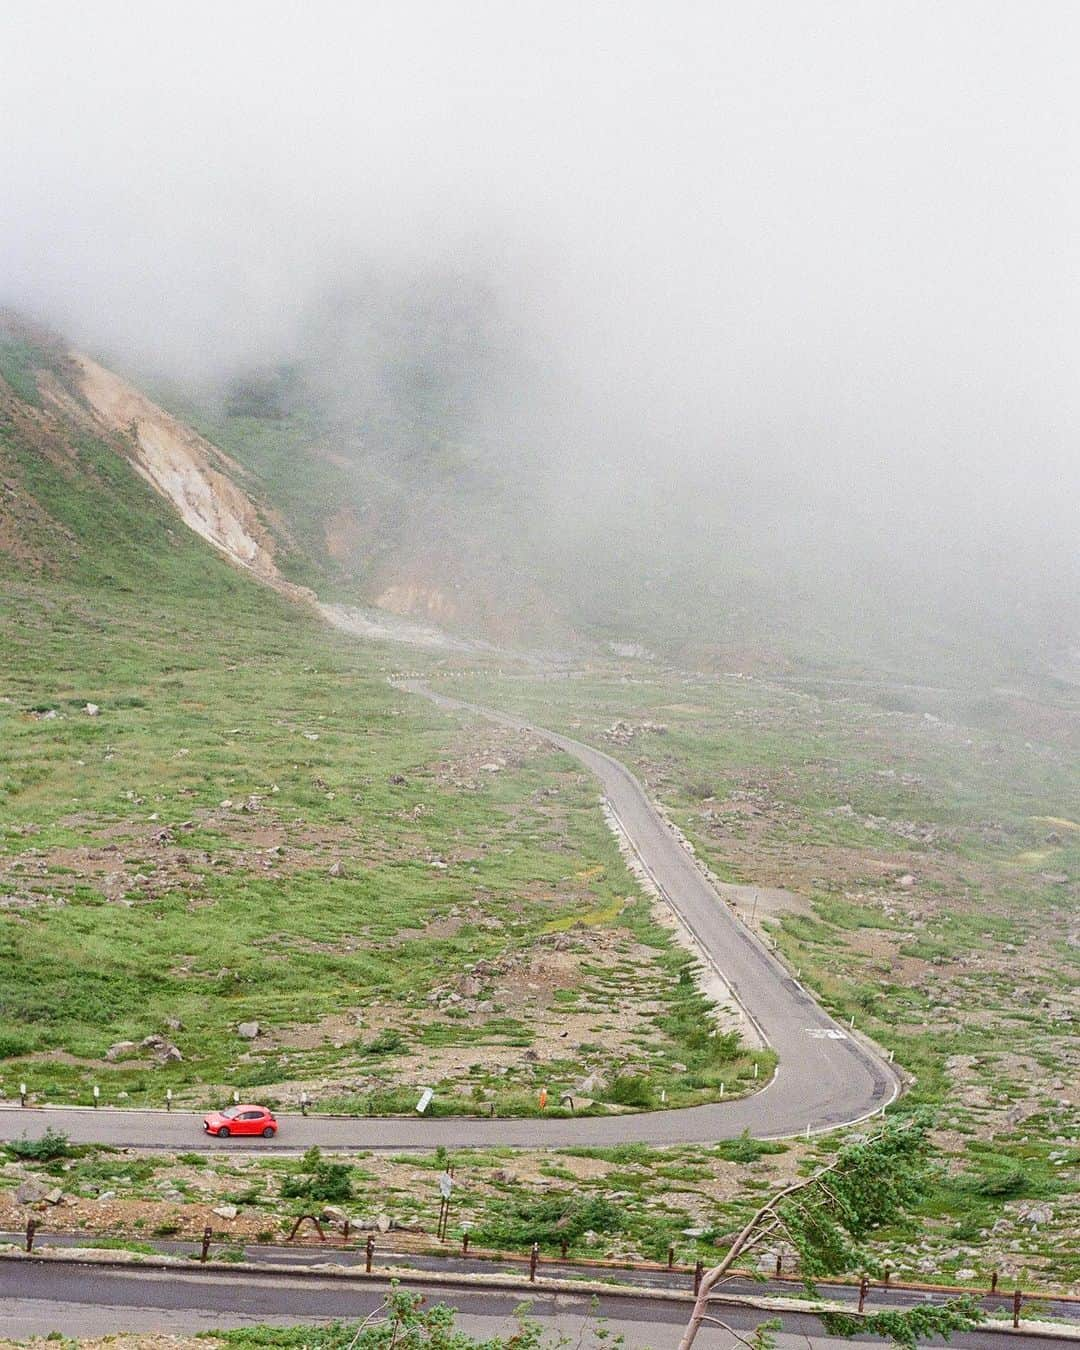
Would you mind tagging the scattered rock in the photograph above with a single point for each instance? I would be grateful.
(225, 1211)
(54, 1197)
(120, 1050)
(91, 710)
(335, 870)
(1035, 1216)
(907, 881)
(384, 1223)
(248, 1030)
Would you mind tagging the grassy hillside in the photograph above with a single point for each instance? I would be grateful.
(215, 811)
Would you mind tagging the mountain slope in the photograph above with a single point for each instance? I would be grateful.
(214, 809)
(429, 460)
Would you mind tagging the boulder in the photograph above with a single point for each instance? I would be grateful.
(1035, 1215)
(225, 1211)
(384, 1223)
(91, 709)
(120, 1050)
(335, 870)
(30, 1192)
(248, 1030)
(54, 1197)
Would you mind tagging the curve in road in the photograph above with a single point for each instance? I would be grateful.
(826, 1077)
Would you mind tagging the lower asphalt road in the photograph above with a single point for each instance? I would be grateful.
(37, 1298)
(450, 1263)
(826, 1076)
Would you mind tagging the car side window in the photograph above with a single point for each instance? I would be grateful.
(251, 1115)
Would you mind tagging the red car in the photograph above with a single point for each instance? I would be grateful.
(241, 1120)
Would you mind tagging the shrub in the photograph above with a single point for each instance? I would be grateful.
(388, 1042)
(318, 1179)
(14, 1043)
(631, 1089)
(548, 1220)
(746, 1150)
(52, 1144)
(998, 1183)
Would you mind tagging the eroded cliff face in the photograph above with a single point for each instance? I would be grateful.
(200, 481)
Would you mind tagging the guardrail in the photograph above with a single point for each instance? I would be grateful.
(533, 1260)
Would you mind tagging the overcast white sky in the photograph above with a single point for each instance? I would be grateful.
(844, 234)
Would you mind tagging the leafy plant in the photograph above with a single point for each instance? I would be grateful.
(319, 1179)
(387, 1042)
(746, 1150)
(631, 1089)
(549, 1220)
(828, 1216)
(47, 1147)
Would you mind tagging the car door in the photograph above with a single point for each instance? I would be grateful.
(249, 1122)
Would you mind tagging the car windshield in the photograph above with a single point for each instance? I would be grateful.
(231, 1113)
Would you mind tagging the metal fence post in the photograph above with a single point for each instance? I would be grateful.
(534, 1257)
(369, 1252)
(208, 1233)
(699, 1270)
(864, 1285)
(31, 1229)
(1016, 1308)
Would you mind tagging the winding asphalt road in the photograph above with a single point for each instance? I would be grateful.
(826, 1077)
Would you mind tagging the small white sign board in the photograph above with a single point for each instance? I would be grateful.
(425, 1100)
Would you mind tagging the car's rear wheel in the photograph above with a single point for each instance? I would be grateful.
(223, 1133)
(268, 1133)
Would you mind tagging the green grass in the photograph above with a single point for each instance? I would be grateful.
(139, 844)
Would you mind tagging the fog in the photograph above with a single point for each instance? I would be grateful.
(807, 270)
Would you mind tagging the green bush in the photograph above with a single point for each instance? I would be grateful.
(549, 1220)
(14, 1043)
(388, 1042)
(631, 1089)
(52, 1144)
(746, 1150)
(998, 1183)
(319, 1179)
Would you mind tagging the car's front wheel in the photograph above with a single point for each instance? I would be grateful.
(268, 1133)
(223, 1133)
